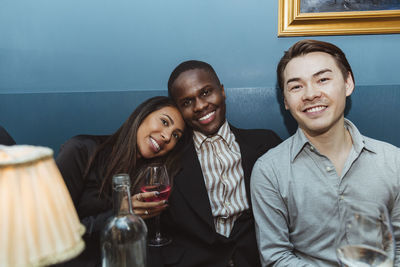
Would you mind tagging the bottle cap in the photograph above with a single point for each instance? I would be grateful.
(121, 178)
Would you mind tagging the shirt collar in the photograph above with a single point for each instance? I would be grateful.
(300, 140)
(224, 132)
(359, 141)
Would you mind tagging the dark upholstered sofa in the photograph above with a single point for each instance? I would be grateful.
(49, 119)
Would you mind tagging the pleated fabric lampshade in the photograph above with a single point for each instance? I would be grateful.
(38, 222)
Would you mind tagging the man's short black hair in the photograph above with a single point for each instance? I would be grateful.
(190, 65)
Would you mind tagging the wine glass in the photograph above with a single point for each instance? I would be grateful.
(155, 177)
(365, 236)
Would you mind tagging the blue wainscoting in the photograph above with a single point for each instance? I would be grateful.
(48, 119)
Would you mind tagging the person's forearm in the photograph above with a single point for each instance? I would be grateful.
(282, 259)
(292, 261)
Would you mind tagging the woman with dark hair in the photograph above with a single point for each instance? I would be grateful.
(153, 132)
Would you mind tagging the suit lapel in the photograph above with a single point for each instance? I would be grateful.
(190, 183)
(190, 180)
(249, 156)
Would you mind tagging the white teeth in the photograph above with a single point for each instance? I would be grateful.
(155, 144)
(315, 109)
(207, 116)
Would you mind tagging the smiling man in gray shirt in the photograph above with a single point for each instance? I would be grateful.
(299, 189)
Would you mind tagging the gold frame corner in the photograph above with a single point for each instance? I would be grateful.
(293, 23)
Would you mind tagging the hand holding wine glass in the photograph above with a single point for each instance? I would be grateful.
(145, 209)
(155, 179)
(365, 236)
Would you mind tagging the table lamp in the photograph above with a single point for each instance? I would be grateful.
(38, 222)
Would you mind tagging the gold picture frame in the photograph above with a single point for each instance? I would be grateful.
(292, 22)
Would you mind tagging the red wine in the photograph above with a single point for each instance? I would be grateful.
(164, 190)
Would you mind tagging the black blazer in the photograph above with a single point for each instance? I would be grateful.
(189, 221)
(5, 138)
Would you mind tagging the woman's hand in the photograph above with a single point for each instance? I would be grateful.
(147, 209)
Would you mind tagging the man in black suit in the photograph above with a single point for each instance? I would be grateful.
(5, 138)
(209, 216)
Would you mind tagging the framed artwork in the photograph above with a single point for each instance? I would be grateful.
(338, 17)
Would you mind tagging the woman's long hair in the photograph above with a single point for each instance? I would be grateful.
(118, 154)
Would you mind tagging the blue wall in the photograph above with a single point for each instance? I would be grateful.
(62, 47)
(104, 45)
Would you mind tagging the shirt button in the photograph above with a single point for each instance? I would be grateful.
(328, 169)
(227, 203)
(341, 197)
(312, 148)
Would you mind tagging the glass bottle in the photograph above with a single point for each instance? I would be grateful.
(123, 240)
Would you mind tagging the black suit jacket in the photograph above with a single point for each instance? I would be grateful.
(5, 138)
(189, 220)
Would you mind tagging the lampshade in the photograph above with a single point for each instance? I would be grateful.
(38, 222)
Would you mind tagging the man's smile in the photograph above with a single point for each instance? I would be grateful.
(207, 118)
(315, 109)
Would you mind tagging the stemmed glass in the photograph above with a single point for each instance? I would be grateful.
(155, 177)
(365, 236)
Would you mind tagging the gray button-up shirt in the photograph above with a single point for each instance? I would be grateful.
(297, 196)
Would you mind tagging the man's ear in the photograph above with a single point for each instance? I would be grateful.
(284, 101)
(349, 83)
(223, 91)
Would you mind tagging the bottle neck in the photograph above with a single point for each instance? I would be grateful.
(122, 199)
